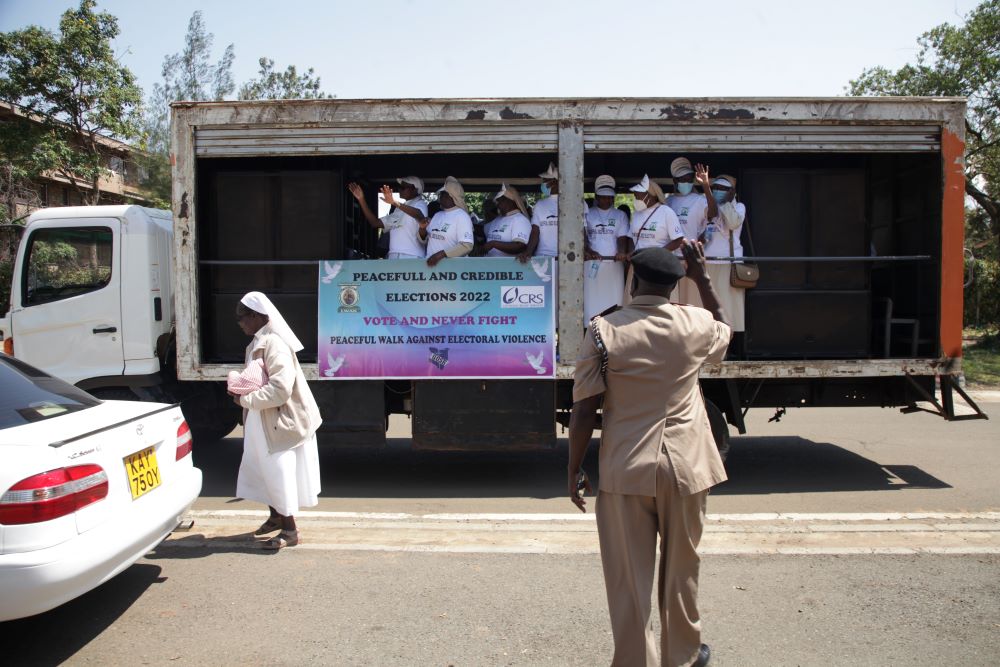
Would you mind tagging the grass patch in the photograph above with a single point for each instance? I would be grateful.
(981, 359)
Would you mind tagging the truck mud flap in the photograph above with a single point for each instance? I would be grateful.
(484, 414)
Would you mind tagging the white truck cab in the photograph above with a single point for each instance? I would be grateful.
(91, 296)
(91, 303)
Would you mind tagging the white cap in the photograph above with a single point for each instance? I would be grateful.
(414, 181)
(550, 174)
(726, 180)
(604, 186)
(681, 167)
(641, 186)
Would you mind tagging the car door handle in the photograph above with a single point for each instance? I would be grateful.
(105, 330)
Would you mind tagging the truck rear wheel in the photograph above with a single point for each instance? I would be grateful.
(209, 412)
(208, 409)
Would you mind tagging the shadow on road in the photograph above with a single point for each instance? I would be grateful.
(180, 548)
(56, 636)
(756, 465)
(790, 464)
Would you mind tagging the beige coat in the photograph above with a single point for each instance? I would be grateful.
(652, 399)
(287, 408)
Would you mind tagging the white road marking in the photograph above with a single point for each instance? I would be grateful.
(725, 534)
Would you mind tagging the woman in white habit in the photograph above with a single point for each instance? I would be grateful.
(280, 466)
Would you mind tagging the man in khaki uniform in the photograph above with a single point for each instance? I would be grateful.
(657, 459)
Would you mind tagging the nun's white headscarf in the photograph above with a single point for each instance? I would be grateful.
(259, 303)
(457, 192)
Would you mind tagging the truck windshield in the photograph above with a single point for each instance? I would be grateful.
(29, 395)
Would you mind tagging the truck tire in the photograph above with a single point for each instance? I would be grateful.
(720, 429)
(208, 409)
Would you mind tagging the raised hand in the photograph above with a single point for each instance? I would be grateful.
(356, 190)
(701, 177)
(694, 254)
(388, 197)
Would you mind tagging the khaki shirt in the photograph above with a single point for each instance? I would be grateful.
(653, 404)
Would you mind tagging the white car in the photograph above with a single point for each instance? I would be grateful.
(86, 487)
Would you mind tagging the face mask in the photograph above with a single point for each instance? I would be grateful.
(684, 188)
(720, 195)
(640, 204)
(545, 189)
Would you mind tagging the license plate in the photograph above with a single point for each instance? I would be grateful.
(143, 472)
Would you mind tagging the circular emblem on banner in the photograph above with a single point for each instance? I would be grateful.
(349, 299)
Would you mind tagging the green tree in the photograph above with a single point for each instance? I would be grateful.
(287, 85)
(187, 75)
(73, 85)
(961, 60)
(192, 75)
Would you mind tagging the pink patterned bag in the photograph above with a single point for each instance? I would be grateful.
(251, 378)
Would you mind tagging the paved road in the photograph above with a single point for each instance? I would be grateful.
(844, 537)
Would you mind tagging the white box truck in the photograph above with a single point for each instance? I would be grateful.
(856, 207)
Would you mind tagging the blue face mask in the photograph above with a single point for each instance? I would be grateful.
(684, 188)
(720, 195)
(545, 189)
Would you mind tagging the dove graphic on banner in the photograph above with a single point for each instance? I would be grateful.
(331, 271)
(536, 362)
(333, 365)
(542, 269)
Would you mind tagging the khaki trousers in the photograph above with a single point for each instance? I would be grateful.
(628, 527)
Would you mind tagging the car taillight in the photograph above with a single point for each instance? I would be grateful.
(184, 440)
(53, 494)
(8, 346)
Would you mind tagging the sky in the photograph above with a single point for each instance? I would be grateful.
(532, 48)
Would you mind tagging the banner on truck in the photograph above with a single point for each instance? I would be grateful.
(466, 318)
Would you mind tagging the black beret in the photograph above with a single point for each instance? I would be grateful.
(657, 265)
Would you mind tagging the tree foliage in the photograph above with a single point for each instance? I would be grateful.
(959, 60)
(191, 75)
(287, 85)
(73, 85)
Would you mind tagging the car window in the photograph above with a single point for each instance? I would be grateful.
(66, 262)
(29, 395)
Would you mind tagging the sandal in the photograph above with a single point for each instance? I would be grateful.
(286, 538)
(268, 526)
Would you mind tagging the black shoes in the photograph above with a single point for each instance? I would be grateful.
(704, 655)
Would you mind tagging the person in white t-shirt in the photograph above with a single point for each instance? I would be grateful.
(721, 231)
(606, 248)
(402, 222)
(509, 232)
(693, 209)
(654, 224)
(449, 233)
(544, 241)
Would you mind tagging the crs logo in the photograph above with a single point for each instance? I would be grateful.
(522, 296)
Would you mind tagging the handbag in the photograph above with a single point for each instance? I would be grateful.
(742, 274)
